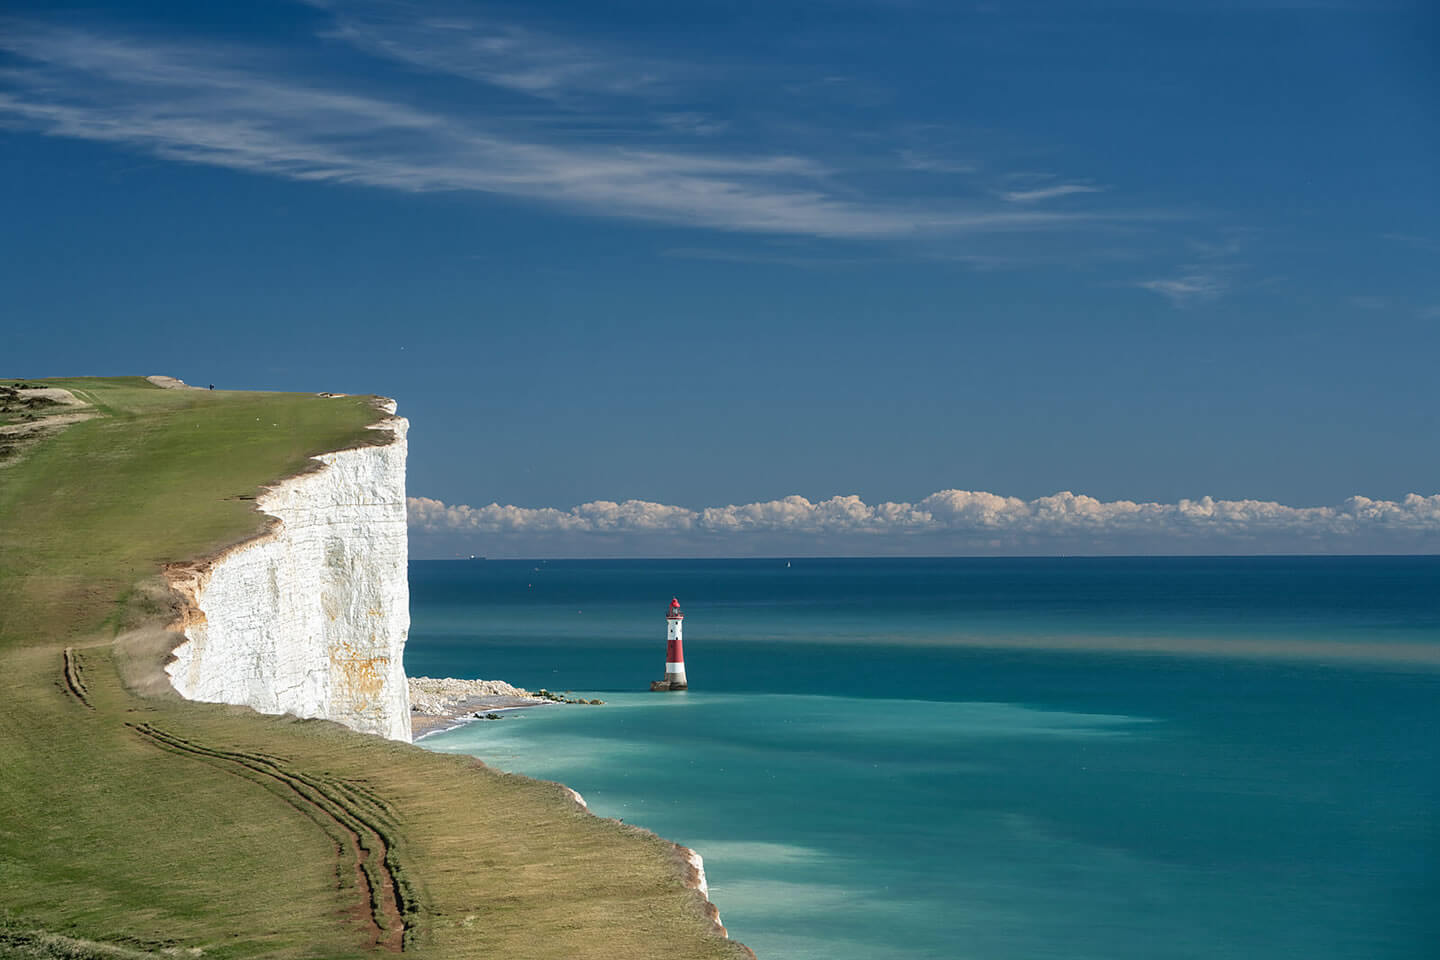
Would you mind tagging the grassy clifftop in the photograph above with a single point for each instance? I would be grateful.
(134, 822)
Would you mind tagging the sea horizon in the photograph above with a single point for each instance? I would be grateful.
(956, 556)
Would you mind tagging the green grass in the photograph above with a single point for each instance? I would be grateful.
(134, 824)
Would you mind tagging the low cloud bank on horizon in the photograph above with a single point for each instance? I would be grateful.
(950, 520)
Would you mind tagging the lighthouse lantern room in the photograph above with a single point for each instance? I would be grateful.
(674, 651)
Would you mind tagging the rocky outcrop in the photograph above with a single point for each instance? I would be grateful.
(439, 704)
(694, 878)
(311, 617)
(437, 697)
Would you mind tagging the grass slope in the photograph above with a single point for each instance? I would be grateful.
(133, 825)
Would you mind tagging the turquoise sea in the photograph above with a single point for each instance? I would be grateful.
(991, 758)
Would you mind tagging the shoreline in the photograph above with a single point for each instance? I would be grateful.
(441, 705)
(438, 705)
(424, 725)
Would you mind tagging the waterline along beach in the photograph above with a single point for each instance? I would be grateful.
(1083, 758)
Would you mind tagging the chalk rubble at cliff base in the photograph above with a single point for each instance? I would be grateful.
(437, 697)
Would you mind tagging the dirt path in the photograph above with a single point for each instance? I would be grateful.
(361, 837)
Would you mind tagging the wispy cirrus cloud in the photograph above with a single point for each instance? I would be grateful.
(693, 123)
(767, 256)
(1187, 288)
(269, 113)
(1049, 193)
(921, 160)
(963, 519)
(521, 58)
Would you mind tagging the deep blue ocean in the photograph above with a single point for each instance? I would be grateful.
(998, 759)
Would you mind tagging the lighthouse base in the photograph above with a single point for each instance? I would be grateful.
(659, 686)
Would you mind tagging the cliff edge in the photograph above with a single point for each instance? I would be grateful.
(310, 618)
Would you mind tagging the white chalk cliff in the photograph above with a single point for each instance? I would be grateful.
(311, 617)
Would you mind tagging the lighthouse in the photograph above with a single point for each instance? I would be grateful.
(674, 651)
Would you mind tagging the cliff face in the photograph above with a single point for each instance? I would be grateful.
(311, 618)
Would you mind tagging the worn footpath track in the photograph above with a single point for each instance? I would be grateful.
(361, 835)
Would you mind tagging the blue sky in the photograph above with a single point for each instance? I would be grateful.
(709, 256)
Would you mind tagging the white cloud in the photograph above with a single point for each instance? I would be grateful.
(1048, 193)
(1187, 288)
(272, 113)
(519, 58)
(693, 123)
(599, 516)
(985, 518)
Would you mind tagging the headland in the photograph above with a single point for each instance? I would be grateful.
(139, 823)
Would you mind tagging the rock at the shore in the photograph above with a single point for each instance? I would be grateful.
(439, 697)
(553, 697)
(438, 704)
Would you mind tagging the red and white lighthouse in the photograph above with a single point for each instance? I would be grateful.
(674, 651)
